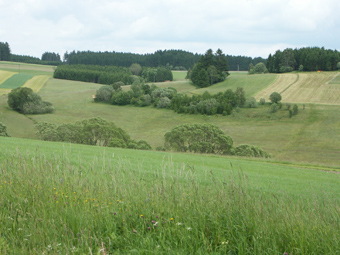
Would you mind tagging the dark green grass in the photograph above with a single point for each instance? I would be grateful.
(16, 81)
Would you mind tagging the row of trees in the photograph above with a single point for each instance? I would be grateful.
(174, 59)
(303, 59)
(207, 138)
(112, 74)
(210, 69)
(145, 95)
(5, 52)
(94, 131)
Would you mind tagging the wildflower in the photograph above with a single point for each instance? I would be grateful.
(225, 243)
(156, 216)
(172, 219)
(155, 224)
(149, 228)
(189, 228)
(114, 213)
(179, 223)
(61, 180)
(134, 231)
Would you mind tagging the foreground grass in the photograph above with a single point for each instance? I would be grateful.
(62, 198)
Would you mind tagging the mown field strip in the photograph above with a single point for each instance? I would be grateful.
(282, 82)
(37, 82)
(4, 75)
(336, 79)
(16, 81)
(313, 88)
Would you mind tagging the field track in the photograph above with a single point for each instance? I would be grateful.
(311, 87)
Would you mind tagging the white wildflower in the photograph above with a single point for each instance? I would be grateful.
(179, 223)
(189, 228)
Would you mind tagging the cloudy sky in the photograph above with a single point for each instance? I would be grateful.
(239, 27)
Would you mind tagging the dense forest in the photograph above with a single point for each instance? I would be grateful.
(5, 52)
(303, 59)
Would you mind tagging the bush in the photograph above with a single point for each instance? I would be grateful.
(246, 150)
(25, 101)
(163, 102)
(262, 101)
(200, 138)
(3, 130)
(295, 109)
(251, 103)
(274, 108)
(104, 94)
(275, 97)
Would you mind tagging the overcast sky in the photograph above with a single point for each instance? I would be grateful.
(238, 27)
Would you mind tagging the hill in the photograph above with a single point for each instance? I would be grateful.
(311, 137)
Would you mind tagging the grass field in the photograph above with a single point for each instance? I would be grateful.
(67, 198)
(37, 82)
(61, 198)
(312, 137)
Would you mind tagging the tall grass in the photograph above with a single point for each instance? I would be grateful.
(108, 204)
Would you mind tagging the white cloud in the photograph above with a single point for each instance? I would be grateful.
(242, 27)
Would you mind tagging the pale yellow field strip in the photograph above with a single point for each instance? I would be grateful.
(4, 75)
(313, 88)
(282, 82)
(4, 91)
(37, 82)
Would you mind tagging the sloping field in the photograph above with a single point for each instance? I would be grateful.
(37, 82)
(4, 75)
(16, 81)
(314, 87)
(251, 84)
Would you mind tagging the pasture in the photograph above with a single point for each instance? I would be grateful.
(16, 81)
(68, 198)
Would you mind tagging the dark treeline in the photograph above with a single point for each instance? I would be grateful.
(241, 63)
(304, 59)
(174, 59)
(5, 52)
(35, 60)
(92, 73)
(111, 74)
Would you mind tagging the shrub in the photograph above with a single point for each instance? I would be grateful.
(295, 109)
(262, 101)
(163, 102)
(25, 101)
(275, 97)
(274, 108)
(251, 103)
(200, 138)
(3, 130)
(104, 94)
(250, 151)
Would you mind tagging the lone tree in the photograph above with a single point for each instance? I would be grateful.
(275, 97)
(200, 138)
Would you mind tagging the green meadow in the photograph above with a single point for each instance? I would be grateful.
(16, 81)
(62, 198)
(67, 198)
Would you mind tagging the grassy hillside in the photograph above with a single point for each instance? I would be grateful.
(313, 136)
(67, 198)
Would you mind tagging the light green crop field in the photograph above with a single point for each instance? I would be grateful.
(16, 81)
(250, 83)
(67, 198)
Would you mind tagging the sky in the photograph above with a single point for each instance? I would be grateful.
(252, 28)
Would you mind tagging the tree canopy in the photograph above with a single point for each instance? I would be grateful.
(210, 69)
